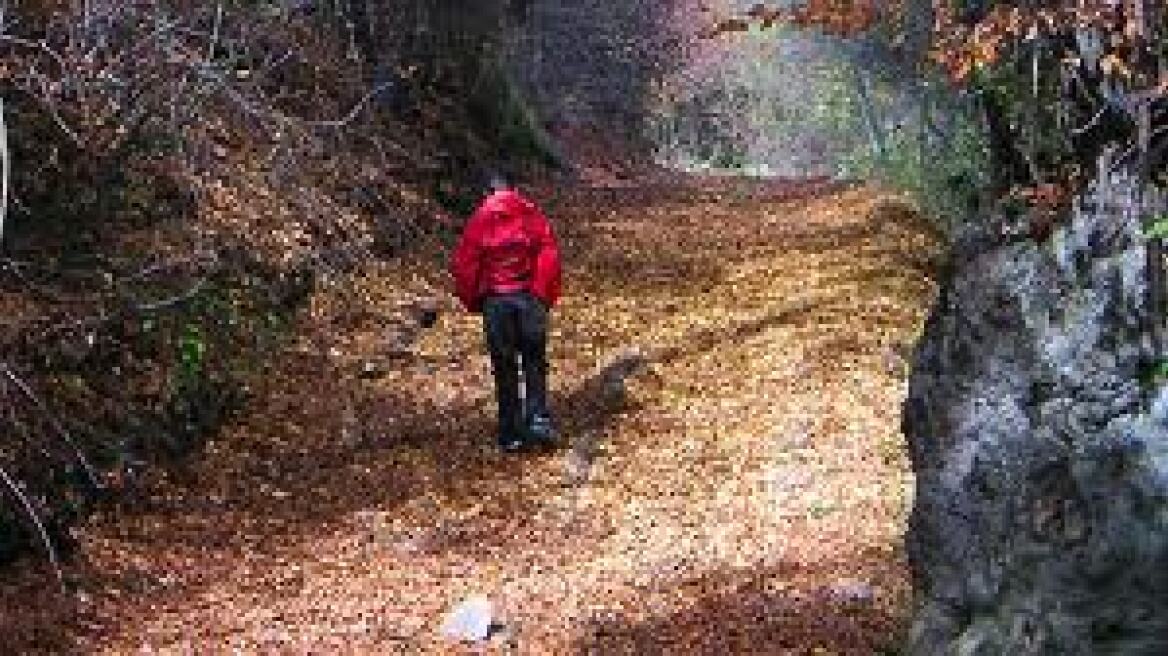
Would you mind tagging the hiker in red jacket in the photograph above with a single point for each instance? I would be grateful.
(507, 267)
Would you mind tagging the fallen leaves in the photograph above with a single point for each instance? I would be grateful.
(742, 495)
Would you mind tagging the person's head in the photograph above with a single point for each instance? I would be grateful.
(496, 181)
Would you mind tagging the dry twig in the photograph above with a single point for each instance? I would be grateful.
(43, 533)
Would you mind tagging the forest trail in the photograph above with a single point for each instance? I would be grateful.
(749, 497)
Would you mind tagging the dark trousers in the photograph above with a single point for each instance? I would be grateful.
(517, 325)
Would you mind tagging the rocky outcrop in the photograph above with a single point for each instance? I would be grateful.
(1040, 445)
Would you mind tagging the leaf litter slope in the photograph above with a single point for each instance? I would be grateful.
(748, 495)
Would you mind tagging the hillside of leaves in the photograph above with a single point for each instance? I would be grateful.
(182, 175)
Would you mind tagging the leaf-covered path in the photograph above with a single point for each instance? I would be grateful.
(748, 497)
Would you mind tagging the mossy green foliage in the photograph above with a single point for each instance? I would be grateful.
(1154, 374)
(1158, 228)
(934, 148)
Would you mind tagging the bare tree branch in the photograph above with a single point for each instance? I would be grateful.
(1090, 124)
(194, 291)
(1135, 149)
(29, 510)
(36, 45)
(5, 171)
(215, 33)
(356, 109)
(94, 479)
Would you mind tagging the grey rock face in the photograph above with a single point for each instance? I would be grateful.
(1040, 521)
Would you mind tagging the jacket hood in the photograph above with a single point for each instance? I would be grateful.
(506, 201)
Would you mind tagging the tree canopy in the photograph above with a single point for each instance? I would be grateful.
(1061, 83)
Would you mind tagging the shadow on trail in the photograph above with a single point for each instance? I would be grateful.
(761, 610)
(710, 339)
(683, 259)
(413, 446)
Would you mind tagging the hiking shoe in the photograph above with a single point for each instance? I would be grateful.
(541, 432)
(510, 444)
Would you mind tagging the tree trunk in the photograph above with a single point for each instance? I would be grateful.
(1007, 164)
(1155, 250)
(871, 118)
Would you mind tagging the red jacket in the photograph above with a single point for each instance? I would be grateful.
(507, 246)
